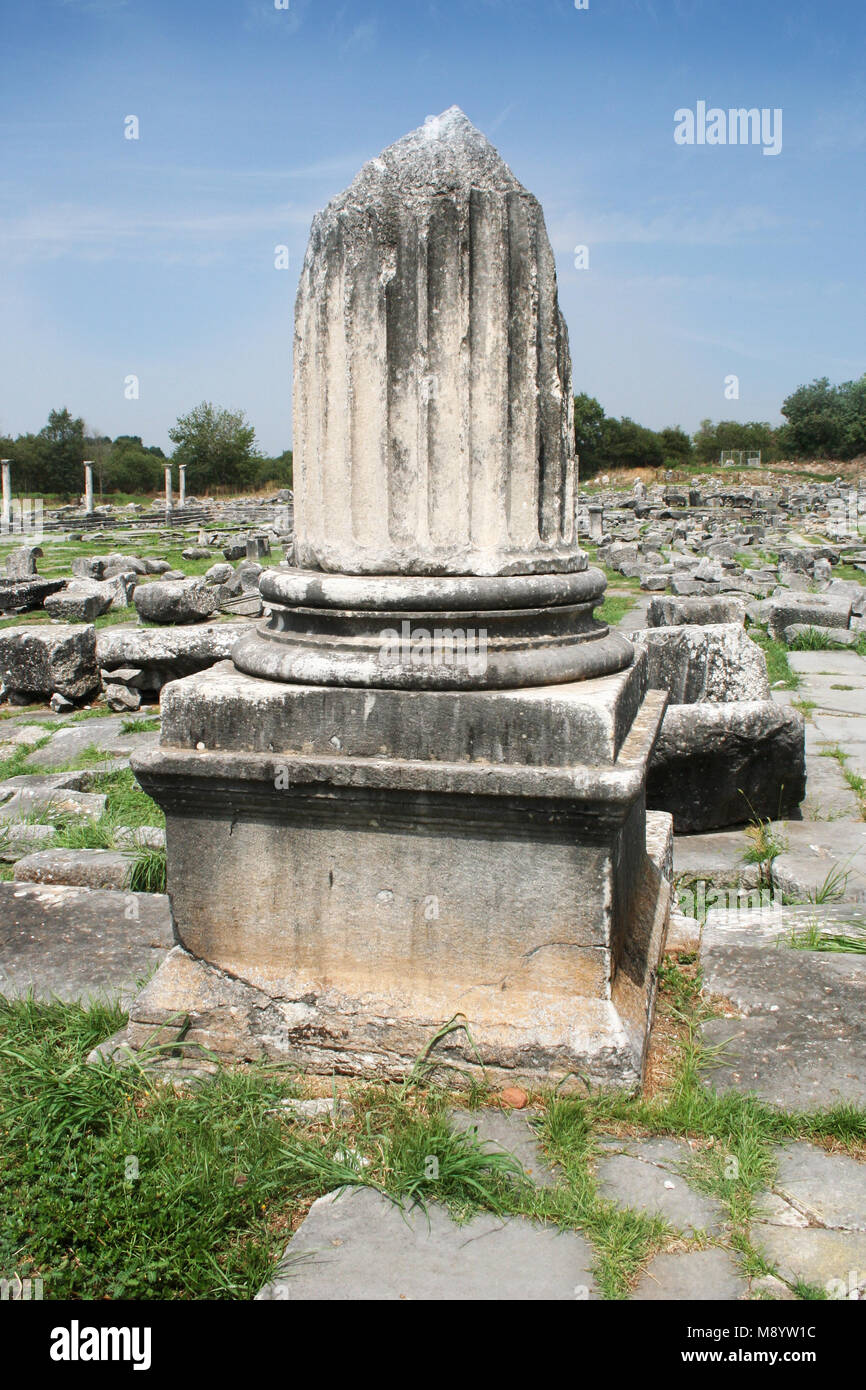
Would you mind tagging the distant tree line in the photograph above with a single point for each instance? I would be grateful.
(217, 446)
(821, 422)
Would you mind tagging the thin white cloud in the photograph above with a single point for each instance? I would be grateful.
(673, 227)
(91, 232)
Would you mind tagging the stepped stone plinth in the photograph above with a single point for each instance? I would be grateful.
(417, 792)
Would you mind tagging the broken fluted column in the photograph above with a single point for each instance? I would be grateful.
(88, 487)
(433, 401)
(434, 446)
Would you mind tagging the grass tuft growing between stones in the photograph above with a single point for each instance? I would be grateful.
(148, 871)
(779, 671)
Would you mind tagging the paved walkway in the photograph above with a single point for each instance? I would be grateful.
(811, 1226)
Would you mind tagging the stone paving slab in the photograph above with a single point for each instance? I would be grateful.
(697, 1275)
(827, 663)
(716, 857)
(68, 744)
(816, 854)
(77, 943)
(841, 729)
(828, 1189)
(509, 1133)
(87, 868)
(645, 1174)
(801, 1042)
(814, 1255)
(360, 1246)
(839, 694)
(34, 801)
(828, 795)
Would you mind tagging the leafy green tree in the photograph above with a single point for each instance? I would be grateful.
(814, 420)
(275, 470)
(711, 439)
(852, 396)
(630, 445)
(676, 445)
(133, 468)
(218, 447)
(60, 455)
(589, 421)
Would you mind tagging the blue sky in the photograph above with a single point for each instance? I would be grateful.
(155, 257)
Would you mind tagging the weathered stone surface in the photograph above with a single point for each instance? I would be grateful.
(148, 836)
(511, 1134)
(186, 601)
(122, 697)
(78, 943)
(674, 612)
(360, 1246)
(839, 636)
(438, 844)
(86, 868)
(822, 610)
(41, 800)
(80, 602)
(714, 664)
(829, 1189)
(219, 573)
(418, 636)
(700, 1275)
(21, 563)
(20, 837)
(831, 1260)
(801, 1042)
(109, 566)
(23, 595)
(684, 934)
(717, 765)
(107, 733)
(37, 661)
(428, 304)
(646, 1175)
(716, 858)
(821, 861)
(174, 653)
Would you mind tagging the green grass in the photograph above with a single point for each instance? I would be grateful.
(39, 617)
(126, 805)
(614, 608)
(118, 1186)
(814, 640)
(816, 938)
(845, 571)
(756, 559)
(149, 871)
(140, 726)
(779, 669)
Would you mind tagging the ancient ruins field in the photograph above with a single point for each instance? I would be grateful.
(433, 828)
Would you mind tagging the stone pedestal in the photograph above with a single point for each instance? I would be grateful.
(351, 869)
